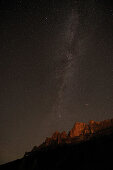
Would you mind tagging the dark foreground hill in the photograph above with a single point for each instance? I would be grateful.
(87, 146)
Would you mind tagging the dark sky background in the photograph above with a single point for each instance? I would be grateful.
(56, 67)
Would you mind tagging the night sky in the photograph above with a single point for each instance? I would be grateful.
(56, 67)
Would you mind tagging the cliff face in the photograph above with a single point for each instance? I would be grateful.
(57, 137)
(79, 132)
(91, 128)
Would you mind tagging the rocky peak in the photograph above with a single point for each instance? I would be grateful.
(90, 128)
(80, 131)
(57, 137)
(63, 135)
(77, 129)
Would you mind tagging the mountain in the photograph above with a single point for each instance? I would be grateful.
(80, 132)
(86, 146)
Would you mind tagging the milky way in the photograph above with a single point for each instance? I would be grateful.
(66, 71)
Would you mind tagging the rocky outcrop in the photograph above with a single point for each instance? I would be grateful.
(91, 128)
(57, 138)
(79, 132)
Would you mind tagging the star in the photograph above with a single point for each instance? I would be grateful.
(59, 116)
(86, 104)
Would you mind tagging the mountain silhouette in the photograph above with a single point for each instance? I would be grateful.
(86, 146)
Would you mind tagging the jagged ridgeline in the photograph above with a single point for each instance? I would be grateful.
(86, 146)
(79, 133)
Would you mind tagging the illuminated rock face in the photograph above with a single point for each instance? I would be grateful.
(77, 130)
(90, 128)
(81, 130)
(57, 137)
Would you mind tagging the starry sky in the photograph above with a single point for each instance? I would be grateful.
(56, 67)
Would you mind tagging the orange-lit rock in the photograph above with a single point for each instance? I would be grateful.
(80, 131)
(55, 135)
(63, 135)
(91, 128)
(77, 130)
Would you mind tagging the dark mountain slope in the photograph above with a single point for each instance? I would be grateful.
(91, 153)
